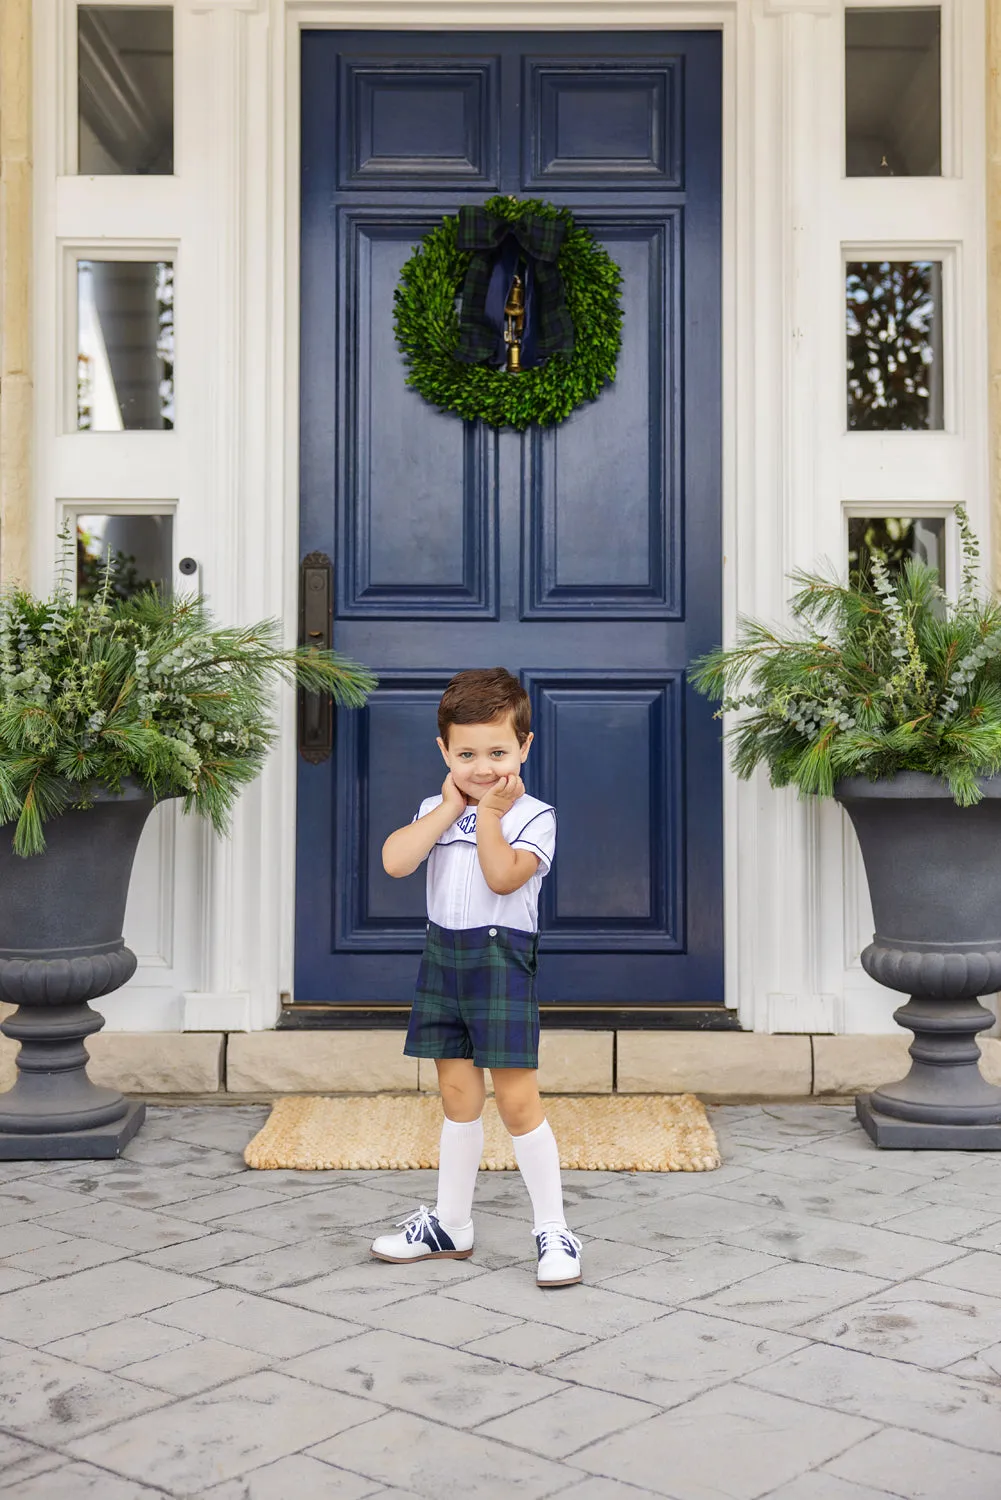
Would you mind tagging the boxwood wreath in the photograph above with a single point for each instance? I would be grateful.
(427, 327)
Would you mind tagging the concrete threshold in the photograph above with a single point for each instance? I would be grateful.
(730, 1067)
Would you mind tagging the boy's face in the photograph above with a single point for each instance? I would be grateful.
(478, 755)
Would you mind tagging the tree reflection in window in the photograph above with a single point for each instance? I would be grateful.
(895, 539)
(165, 338)
(894, 320)
(138, 547)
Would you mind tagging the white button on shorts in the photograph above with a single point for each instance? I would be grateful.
(493, 932)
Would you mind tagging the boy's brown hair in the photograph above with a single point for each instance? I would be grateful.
(481, 695)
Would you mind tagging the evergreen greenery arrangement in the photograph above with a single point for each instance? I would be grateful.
(427, 328)
(101, 689)
(880, 677)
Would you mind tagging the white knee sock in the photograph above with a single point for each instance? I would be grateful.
(538, 1160)
(458, 1163)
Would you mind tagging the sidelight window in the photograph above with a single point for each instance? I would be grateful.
(893, 92)
(125, 90)
(138, 547)
(125, 345)
(895, 540)
(894, 331)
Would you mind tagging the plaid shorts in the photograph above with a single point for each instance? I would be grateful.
(476, 997)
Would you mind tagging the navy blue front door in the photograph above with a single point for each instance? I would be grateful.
(587, 557)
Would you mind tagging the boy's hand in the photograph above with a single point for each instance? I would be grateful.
(452, 799)
(502, 797)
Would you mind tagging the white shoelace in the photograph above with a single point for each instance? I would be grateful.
(558, 1239)
(416, 1224)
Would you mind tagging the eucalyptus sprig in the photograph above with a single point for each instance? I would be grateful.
(877, 677)
(95, 691)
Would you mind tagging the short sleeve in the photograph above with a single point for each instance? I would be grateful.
(426, 807)
(539, 837)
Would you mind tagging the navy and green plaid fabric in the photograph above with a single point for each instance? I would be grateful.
(540, 241)
(476, 997)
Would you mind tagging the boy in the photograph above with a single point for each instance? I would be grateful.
(490, 846)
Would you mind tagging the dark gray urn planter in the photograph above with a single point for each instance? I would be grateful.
(934, 874)
(61, 945)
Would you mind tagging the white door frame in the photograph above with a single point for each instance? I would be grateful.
(792, 910)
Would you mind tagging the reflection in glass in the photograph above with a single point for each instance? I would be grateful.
(140, 549)
(893, 92)
(894, 319)
(125, 345)
(895, 539)
(125, 87)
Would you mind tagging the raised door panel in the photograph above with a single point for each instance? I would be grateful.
(610, 759)
(419, 124)
(602, 529)
(417, 511)
(603, 124)
(388, 756)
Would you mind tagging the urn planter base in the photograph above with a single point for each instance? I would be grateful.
(61, 945)
(54, 1112)
(100, 1143)
(945, 1103)
(934, 874)
(921, 1135)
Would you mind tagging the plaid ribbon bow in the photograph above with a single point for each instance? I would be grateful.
(497, 245)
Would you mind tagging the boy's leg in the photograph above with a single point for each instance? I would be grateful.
(436, 1030)
(463, 1090)
(463, 1093)
(535, 1151)
(447, 1232)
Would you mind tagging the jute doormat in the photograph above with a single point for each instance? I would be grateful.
(596, 1133)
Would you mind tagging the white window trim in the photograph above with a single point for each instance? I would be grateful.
(70, 510)
(884, 473)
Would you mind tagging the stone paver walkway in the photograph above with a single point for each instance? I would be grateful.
(814, 1321)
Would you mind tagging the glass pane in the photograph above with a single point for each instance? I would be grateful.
(125, 89)
(125, 345)
(894, 345)
(893, 92)
(895, 539)
(140, 549)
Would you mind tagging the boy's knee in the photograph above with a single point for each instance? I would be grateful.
(519, 1107)
(524, 1118)
(459, 1091)
(462, 1098)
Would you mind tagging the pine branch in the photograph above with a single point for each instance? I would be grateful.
(877, 678)
(104, 690)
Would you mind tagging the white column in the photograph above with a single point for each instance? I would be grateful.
(225, 510)
(796, 276)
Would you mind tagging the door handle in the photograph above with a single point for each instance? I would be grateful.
(316, 628)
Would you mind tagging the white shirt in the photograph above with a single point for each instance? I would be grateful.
(458, 894)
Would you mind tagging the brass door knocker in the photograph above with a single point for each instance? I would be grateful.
(514, 324)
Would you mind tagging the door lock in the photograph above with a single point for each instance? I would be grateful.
(316, 628)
